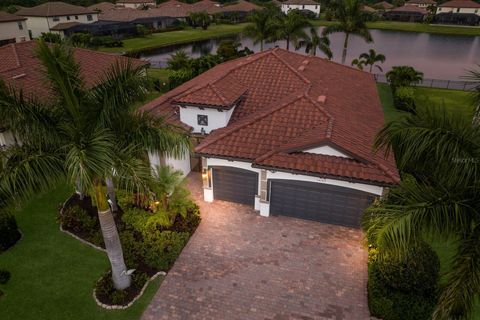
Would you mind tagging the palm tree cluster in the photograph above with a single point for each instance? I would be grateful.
(438, 154)
(370, 59)
(91, 137)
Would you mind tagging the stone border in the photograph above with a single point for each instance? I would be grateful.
(121, 307)
(67, 202)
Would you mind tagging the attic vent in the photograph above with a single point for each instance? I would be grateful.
(306, 62)
(322, 99)
(18, 76)
(301, 68)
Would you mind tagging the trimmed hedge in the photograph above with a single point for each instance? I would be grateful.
(9, 233)
(406, 289)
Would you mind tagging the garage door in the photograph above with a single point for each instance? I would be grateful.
(235, 185)
(319, 202)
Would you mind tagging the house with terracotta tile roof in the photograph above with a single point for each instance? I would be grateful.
(406, 13)
(21, 69)
(308, 5)
(136, 4)
(421, 3)
(384, 5)
(285, 133)
(13, 28)
(463, 12)
(44, 17)
(102, 6)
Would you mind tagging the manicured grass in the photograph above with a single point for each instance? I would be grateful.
(415, 27)
(454, 100)
(158, 73)
(157, 40)
(52, 273)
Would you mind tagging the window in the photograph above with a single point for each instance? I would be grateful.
(303, 7)
(56, 19)
(76, 17)
(20, 25)
(202, 120)
(68, 17)
(316, 7)
(476, 10)
(89, 17)
(458, 9)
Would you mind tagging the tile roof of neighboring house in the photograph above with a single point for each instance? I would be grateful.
(292, 103)
(407, 8)
(240, 6)
(421, 2)
(122, 14)
(368, 9)
(136, 1)
(102, 6)
(206, 5)
(173, 8)
(8, 17)
(51, 9)
(460, 4)
(301, 2)
(384, 5)
(64, 26)
(21, 68)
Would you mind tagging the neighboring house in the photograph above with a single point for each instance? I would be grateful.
(43, 18)
(136, 4)
(102, 6)
(285, 133)
(302, 5)
(12, 28)
(406, 13)
(207, 6)
(154, 19)
(383, 5)
(463, 12)
(421, 3)
(20, 68)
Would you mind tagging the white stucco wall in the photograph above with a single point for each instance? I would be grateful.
(12, 30)
(37, 25)
(313, 8)
(327, 150)
(264, 207)
(216, 119)
(182, 163)
(458, 10)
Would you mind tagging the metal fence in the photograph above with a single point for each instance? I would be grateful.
(437, 83)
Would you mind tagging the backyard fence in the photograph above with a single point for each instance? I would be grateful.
(437, 83)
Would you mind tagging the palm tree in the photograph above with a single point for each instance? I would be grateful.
(164, 182)
(369, 58)
(291, 27)
(78, 135)
(263, 25)
(179, 60)
(474, 76)
(314, 41)
(403, 76)
(438, 153)
(351, 20)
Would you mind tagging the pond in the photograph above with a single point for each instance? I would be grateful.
(437, 56)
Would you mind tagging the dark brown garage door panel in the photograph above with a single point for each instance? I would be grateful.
(235, 185)
(319, 202)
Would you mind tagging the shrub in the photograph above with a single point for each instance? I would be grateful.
(106, 41)
(403, 99)
(51, 37)
(80, 39)
(139, 279)
(4, 276)
(9, 233)
(163, 247)
(78, 221)
(179, 77)
(119, 297)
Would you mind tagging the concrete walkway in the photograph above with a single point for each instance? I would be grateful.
(239, 265)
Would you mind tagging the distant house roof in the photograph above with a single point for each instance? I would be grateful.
(286, 102)
(65, 25)
(407, 8)
(301, 2)
(122, 14)
(20, 67)
(102, 6)
(368, 9)
(136, 1)
(384, 5)
(206, 5)
(460, 4)
(240, 6)
(174, 8)
(427, 2)
(52, 9)
(8, 17)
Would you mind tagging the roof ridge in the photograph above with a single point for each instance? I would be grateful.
(218, 93)
(17, 59)
(331, 118)
(387, 171)
(305, 79)
(248, 121)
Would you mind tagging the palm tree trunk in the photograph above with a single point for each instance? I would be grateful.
(288, 43)
(114, 250)
(371, 66)
(261, 45)
(111, 194)
(314, 51)
(79, 189)
(345, 45)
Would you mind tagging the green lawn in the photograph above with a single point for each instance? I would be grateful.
(52, 273)
(415, 27)
(177, 37)
(453, 100)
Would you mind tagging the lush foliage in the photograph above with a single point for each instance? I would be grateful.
(313, 41)
(51, 37)
(403, 76)
(200, 19)
(370, 59)
(86, 40)
(4, 276)
(403, 99)
(107, 293)
(9, 233)
(77, 220)
(290, 27)
(264, 24)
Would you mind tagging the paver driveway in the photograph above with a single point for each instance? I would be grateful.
(239, 265)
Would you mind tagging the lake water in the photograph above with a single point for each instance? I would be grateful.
(437, 56)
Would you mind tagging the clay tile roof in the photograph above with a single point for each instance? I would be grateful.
(301, 2)
(51, 9)
(122, 14)
(136, 1)
(383, 5)
(64, 25)
(407, 8)
(7, 17)
(240, 6)
(291, 103)
(421, 2)
(206, 5)
(174, 9)
(102, 6)
(460, 4)
(21, 68)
